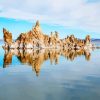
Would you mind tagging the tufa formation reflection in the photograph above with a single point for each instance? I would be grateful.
(36, 57)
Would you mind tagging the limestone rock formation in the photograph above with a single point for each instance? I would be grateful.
(7, 36)
(35, 38)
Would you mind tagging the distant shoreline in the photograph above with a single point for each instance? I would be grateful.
(91, 39)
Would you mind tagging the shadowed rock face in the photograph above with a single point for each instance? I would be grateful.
(36, 39)
(7, 36)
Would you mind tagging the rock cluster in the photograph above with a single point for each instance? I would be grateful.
(36, 39)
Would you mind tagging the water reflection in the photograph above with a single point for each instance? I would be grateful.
(35, 58)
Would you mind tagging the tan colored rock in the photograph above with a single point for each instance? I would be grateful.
(35, 38)
(87, 39)
(7, 36)
(38, 32)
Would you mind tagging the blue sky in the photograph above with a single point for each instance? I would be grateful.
(78, 17)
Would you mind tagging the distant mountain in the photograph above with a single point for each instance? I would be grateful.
(95, 39)
(1, 39)
(96, 42)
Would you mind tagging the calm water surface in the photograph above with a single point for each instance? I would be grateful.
(49, 75)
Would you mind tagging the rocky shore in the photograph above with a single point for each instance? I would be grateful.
(36, 39)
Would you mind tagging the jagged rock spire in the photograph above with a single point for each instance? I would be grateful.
(7, 36)
(56, 34)
(87, 39)
(37, 28)
(37, 23)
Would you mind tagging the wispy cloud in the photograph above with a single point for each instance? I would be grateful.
(74, 13)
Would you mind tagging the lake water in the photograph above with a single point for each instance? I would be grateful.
(49, 75)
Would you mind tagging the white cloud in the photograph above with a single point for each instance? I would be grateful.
(75, 13)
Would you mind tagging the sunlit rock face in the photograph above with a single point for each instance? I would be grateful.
(35, 38)
(7, 36)
(87, 39)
